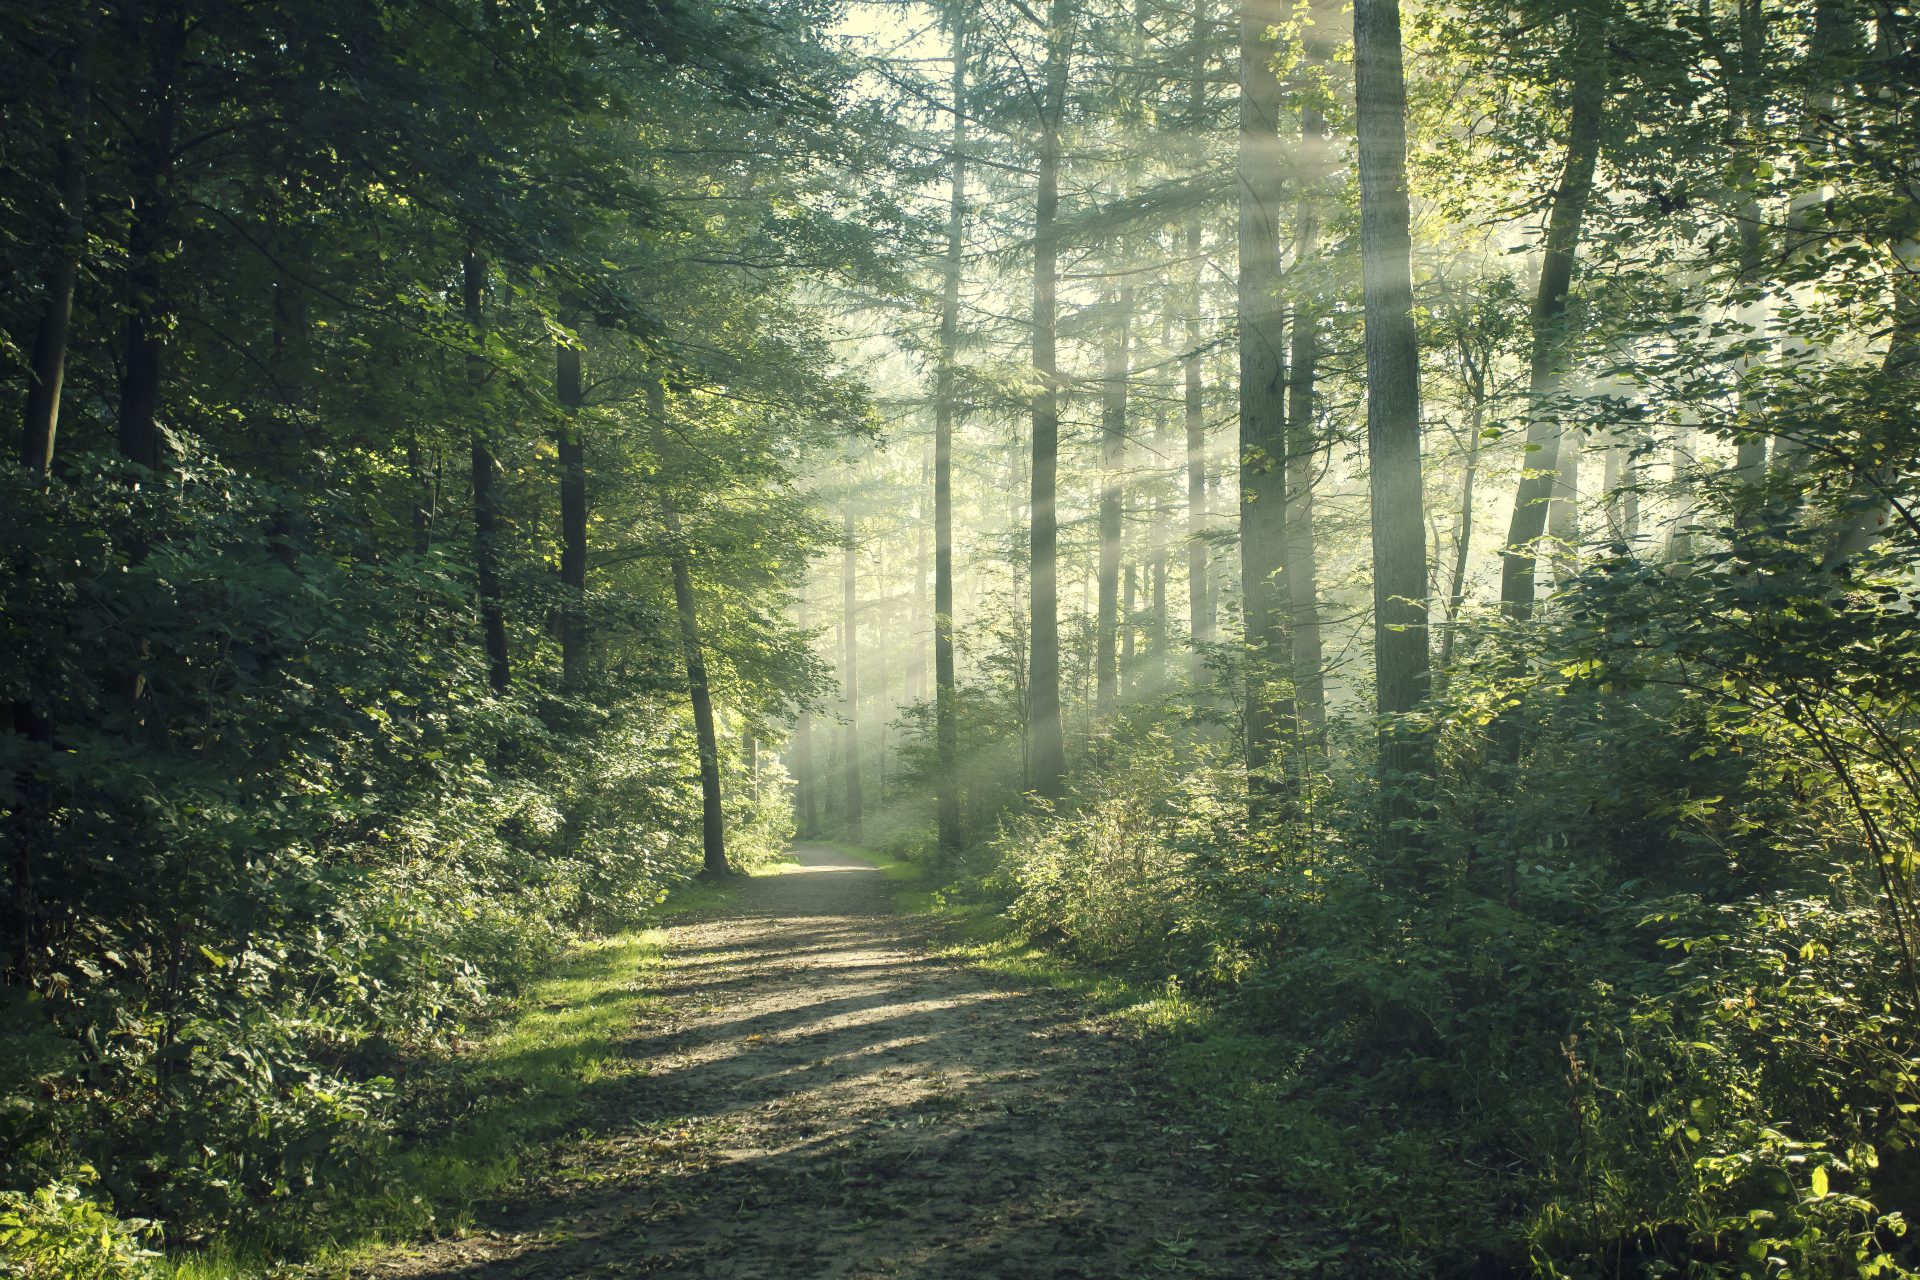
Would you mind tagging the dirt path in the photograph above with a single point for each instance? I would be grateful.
(825, 1099)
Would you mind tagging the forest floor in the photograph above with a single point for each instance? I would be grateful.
(815, 1093)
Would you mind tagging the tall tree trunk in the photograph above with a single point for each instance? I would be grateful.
(48, 369)
(1568, 212)
(573, 519)
(1613, 475)
(1476, 379)
(1199, 589)
(1393, 411)
(805, 776)
(713, 823)
(1750, 458)
(1302, 573)
(425, 507)
(850, 669)
(486, 511)
(922, 611)
(1263, 396)
(1113, 447)
(1834, 33)
(1158, 553)
(806, 780)
(1680, 532)
(1049, 757)
(150, 311)
(805, 783)
(946, 732)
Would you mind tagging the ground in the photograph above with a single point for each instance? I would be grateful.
(817, 1095)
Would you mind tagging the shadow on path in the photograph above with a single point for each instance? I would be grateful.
(826, 1100)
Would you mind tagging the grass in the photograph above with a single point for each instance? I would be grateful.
(531, 1078)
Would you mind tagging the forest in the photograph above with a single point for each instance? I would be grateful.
(1328, 593)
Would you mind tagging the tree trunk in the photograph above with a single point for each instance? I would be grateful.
(1302, 572)
(1049, 759)
(149, 311)
(1157, 556)
(425, 507)
(922, 611)
(1476, 380)
(573, 520)
(1568, 212)
(1834, 31)
(806, 781)
(805, 785)
(48, 370)
(946, 731)
(713, 824)
(1199, 590)
(1393, 412)
(1113, 447)
(1303, 440)
(1680, 531)
(1263, 397)
(1750, 459)
(486, 512)
(850, 670)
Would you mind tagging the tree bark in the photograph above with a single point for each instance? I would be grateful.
(486, 512)
(922, 610)
(1049, 758)
(713, 825)
(1113, 447)
(1564, 220)
(1834, 32)
(1199, 590)
(573, 519)
(1750, 458)
(850, 669)
(1156, 585)
(1475, 375)
(149, 314)
(48, 370)
(1302, 574)
(946, 730)
(1401, 672)
(806, 781)
(1263, 397)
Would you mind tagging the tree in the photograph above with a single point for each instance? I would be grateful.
(1553, 464)
(1048, 761)
(47, 372)
(486, 505)
(1263, 394)
(946, 728)
(1199, 592)
(850, 666)
(1393, 408)
(713, 824)
(573, 516)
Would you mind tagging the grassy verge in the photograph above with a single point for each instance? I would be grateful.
(527, 1080)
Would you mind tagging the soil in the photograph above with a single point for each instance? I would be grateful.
(819, 1096)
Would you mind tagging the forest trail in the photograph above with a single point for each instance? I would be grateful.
(820, 1097)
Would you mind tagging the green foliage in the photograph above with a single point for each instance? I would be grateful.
(60, 1233)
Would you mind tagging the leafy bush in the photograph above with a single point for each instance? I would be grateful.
(58, 1233)
(256, 917)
